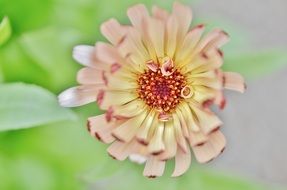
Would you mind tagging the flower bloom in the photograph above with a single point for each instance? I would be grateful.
(156, 81)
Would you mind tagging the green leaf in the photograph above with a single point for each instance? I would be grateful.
(24, 106)
(51, 49)
(5, 30)
(254, 64)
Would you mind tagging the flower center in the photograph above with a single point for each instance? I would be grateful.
(160, 91)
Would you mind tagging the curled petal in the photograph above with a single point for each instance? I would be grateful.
(186, 92)
(152, 65)
(167, 67)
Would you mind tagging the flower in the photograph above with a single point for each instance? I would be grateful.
(156, 81)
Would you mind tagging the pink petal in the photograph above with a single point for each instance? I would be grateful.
(211, 149)
(137, 14)
(234, 81)
(113, 31)
(182, 162)
(159, 13)
(101, 129)
(154, 168)
(184, 18)
(90, 76)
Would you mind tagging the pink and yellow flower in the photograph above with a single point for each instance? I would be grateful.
(156, 81)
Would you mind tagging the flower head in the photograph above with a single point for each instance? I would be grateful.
(156, 81)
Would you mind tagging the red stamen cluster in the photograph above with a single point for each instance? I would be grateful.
(159, 91)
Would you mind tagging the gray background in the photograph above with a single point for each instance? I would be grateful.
(255, 123)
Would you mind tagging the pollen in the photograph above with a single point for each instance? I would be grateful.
(159, 91)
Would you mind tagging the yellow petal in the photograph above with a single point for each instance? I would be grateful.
(156, 145)
(184, 18)
(143, 132)
(189, 117)
(171, 39)
(114, 98)
(208, 121)
(121, 83)
(130, 109)
(179, 135)
(133, 48)
(169, 142)
(190, 41)
(156, 35)
(127, 131)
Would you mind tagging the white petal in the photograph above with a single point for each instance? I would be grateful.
(139, 159)
(84, 54)
(78, 96)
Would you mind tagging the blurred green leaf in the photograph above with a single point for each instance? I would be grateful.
(24, 106)
(5, 30)
(26, 15)
(52, 51)
(254, 64)
(130, 177)
(18, 66)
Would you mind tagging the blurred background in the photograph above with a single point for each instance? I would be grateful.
(46, 147)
